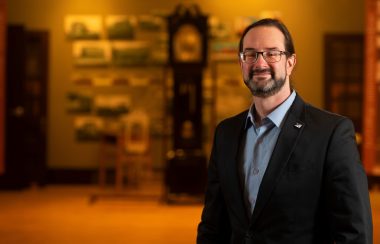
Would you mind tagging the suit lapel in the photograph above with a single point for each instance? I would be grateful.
(233, 164)
(292, 128)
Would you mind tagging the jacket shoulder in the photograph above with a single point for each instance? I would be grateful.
(234, 120)
(325, 120)
(322, 115)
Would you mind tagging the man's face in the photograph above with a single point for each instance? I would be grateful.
(263, 78)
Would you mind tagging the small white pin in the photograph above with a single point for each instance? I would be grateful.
(298, 125)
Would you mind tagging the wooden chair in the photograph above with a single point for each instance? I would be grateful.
(130, 147)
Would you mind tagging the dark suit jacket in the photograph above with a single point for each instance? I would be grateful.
(314, 189)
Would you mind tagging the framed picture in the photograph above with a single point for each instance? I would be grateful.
(83, 27)
(88, 128)
(79, 102)
(151, 23)
(224, 50)
(82, 79)
(120, 27)
(112, 105)
(91, 53)
(136, 132)
(130, 52)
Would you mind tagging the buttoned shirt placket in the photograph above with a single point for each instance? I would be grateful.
(260, 154)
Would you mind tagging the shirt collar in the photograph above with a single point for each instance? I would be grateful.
(276, 116)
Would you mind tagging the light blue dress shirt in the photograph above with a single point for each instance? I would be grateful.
(259, 144)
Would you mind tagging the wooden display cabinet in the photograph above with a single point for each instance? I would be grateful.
(371, 142)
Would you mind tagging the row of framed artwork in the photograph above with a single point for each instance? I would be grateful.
(114, 40)
(119, 53)
(116, 102)
(126, 27)
(109, 106)
(124, 40)
(139, 52)
(110, 78)
(113, 27)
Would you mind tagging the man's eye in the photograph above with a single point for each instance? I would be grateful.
(250, 54)
(275, 53)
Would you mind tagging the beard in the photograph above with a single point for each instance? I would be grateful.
(269, 87)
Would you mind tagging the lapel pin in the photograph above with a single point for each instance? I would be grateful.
(298, 125)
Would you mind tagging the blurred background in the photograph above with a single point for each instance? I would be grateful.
(109, 107)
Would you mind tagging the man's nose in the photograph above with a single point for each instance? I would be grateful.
(260, 61)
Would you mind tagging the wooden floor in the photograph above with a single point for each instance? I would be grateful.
(66, 214)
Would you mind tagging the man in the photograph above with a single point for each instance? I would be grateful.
(283, 172)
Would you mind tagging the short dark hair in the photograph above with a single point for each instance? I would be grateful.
(289, 46)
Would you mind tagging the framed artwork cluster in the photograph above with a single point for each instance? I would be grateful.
(93, 111)
(111, 55)
(118, 40)
(119, 66)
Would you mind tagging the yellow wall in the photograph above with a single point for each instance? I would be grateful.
(307, 20)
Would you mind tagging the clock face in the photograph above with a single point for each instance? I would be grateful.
(187, 43)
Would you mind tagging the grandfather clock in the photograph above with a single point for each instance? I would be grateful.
(186, 166)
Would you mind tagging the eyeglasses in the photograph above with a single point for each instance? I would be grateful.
(250, 56)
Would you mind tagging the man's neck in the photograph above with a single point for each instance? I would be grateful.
(265, 106)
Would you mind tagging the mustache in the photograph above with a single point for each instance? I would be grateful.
(260, 70)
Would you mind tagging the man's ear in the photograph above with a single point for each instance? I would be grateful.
(290, 64)
(240, 63)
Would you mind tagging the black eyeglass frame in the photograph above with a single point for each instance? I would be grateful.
(264, 54)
